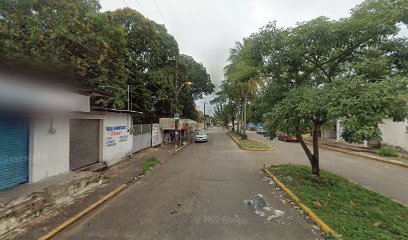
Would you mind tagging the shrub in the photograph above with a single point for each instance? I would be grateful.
(149, 164)
(387, 151)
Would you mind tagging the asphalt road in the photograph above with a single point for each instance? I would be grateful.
(199, 193)
(387, 179)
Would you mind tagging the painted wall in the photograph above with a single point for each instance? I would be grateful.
(49, 153)
(117, 140)
(395, 133)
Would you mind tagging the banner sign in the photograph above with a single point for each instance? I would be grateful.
(167, 123)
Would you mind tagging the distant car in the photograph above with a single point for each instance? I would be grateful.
(287, 138)
(218, 125)
(261, 131)
(201, 137)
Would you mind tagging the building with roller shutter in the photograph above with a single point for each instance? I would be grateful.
(46, 129)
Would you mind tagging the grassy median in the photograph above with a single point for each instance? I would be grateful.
(249, 144)
(149, 164)
(351, 210)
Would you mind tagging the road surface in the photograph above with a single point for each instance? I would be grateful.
(198, 194)
(387, 179)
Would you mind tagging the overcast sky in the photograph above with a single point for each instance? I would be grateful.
(206, 29)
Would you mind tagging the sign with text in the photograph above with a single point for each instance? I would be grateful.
(167, 123)
(115, 135)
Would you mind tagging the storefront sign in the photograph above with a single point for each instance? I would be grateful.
(115, 135)
(167, 123)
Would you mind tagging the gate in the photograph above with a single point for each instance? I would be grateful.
(142, 137)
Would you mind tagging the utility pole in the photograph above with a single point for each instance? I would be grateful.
(177, 87)
(128, 97)
(177, 133)
(205, 122)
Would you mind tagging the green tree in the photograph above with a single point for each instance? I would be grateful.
(330, 70)
(191, 71)
(243, 74)
(108, 51)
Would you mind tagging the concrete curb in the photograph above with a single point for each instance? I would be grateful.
(252, 149)
(181, 148)
(83, 213)
(401, 164)
(315, 218)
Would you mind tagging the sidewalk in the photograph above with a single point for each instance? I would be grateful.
(357, 150)
(29, 211)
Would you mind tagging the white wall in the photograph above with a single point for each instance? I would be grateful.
(49, 153)
(117, 143)
(395, 133)
(339, 131)
(328, 133)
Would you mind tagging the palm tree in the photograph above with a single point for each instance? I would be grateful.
(243, 75)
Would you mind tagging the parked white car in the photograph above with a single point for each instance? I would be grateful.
(201, 137)
(261, 131)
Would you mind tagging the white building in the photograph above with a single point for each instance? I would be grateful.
(392, 133)
(395, 133)
(47, 130)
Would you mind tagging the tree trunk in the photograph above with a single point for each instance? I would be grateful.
(233, 123)
(238, 126)
(313, 157)
(242, 118)
(315, 165)
(244, 136)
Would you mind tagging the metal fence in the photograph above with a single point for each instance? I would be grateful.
(142, 137)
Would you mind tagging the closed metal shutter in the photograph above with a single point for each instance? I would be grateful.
(83, 143)
(14, 134)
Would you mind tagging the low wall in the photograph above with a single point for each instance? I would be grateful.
(395, 133)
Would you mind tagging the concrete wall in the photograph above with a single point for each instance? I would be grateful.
(392, 133)
(49, 152)
(117, 140)
(395, 133)
(329, 133)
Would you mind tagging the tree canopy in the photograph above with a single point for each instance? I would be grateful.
(321, 71)
(103, 50)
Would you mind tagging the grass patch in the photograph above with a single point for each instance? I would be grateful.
(387, 151)
(150, 163)
(248, 144)
(351, 210)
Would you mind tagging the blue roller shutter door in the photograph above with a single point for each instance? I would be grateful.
(14, 145)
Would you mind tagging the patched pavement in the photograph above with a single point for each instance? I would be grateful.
(209, 190)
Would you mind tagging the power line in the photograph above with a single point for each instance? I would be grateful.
(158, 9)
(127, 5)
(141, 8)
